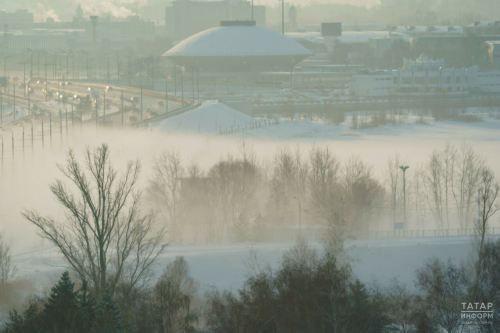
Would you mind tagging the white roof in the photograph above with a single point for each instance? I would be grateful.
(238, 41)
(210, 117)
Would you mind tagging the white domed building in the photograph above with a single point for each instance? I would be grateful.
(238, 46)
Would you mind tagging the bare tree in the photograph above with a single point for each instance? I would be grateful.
(7, 267)
(444, 287)
(174, 292)
(166, 188)
(325, 192)
(104, 237)
(465, 182)
(433, 180)
(489, 204)
(235, 183)
(362, 192)
(400, 307)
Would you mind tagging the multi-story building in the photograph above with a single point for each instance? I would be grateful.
(20, 18)
(425, 76)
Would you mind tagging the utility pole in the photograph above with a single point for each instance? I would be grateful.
(104, 108)
(60, 123)
(50, 128)
(93, 20)
(43, 138)
(81, 116)
(66, 124)
(283, 17)
(29, 101)
(141, 100)
(108, 69)
(118, 64)
(96, 114)
(182, 89)
(362, 207)
(404, 168)
(192, 81)
(395, 189)
(14, 110)
(122, 108)
(24, 79)
(166, 94)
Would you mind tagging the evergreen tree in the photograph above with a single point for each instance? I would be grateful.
(108, 318)
(61, 311)
(87, 307)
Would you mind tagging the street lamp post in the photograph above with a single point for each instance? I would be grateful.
(300, 216)
(12, 133)
(404, 168)
(122, 108)
(31, 122)
(14, 110)
(50, 128)
(2, 150)
(60, 123)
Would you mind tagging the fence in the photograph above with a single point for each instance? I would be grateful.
(317, 234)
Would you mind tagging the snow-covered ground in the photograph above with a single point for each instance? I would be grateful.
(212, 117)
(209, 118)
(223, 266)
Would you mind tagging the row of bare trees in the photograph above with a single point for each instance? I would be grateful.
(444, 189)
(111, 242)
(241, 195)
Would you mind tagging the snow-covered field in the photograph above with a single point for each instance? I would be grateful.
(223, 266)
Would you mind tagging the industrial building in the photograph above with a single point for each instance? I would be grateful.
(425, 76)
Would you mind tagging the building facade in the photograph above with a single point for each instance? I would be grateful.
(425, 76)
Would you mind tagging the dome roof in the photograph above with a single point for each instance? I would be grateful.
(246, 42)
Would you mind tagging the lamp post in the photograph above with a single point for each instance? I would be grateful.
(122, 108)
(12, 132)
(404, 168)
(22, 125)
(31, 122)
(2, 150)
(300, 216)
(14, 109)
